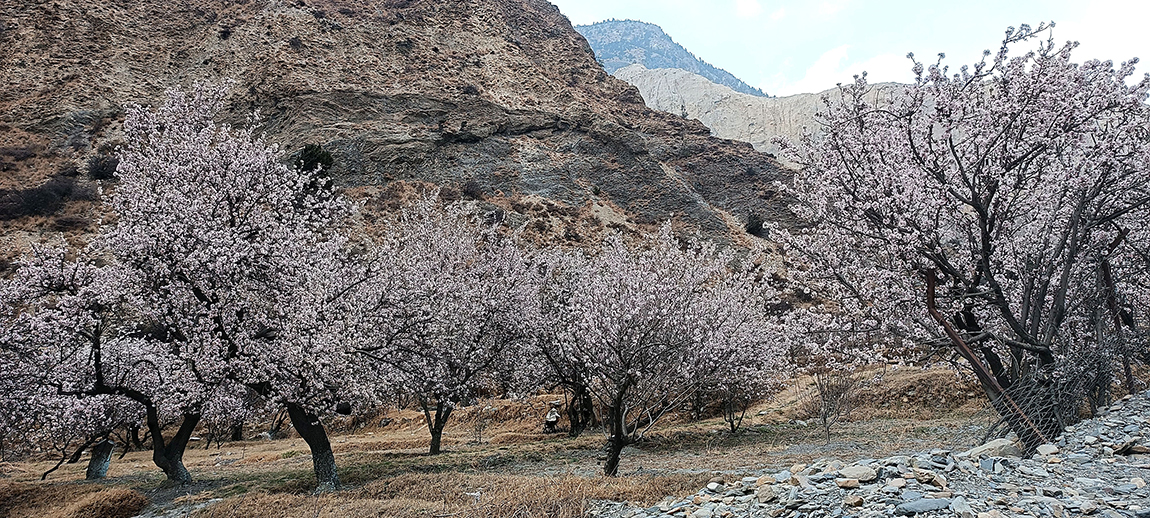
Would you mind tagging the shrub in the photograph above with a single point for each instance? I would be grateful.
(754, 225)
(472, 189)
(313, 157)
(103, 167)
(11, 206)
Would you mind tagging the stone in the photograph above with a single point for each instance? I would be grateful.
(765, 480)
(765, 494)
(861, 473)
(853, 500)
(1047, 449)
(1125, 488)
(995, 448)
(960, 508)
(910, 496)
(924, 505)
(847, 483)
(1089, 439)
(714, 486)
(897, 482)
(1138, 482)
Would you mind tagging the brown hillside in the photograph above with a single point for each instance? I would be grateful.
(501, 94)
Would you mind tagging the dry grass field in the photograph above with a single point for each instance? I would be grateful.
(515, 471)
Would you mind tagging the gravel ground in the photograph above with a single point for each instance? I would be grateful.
(1096, 468)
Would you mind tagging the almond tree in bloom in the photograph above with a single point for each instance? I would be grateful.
(978, 211)
(651, 324)
(449, 309)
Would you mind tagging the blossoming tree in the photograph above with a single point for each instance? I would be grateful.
(235, 258)
(648, 325)
(978, 210)
(70, 341)
(449, 308)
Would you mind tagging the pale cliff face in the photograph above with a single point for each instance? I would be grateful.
(729, 114)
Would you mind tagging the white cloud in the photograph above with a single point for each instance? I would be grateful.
(748, 8)
(834, 67)
(779, 14)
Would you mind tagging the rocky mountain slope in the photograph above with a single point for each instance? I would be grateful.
(497, 99)
(620, 43)
(729, 114)
(1096, 468)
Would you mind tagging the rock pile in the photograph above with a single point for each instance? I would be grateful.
(1097, 468)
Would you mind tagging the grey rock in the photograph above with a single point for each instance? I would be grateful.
(924, 505)
(861, 473)
(995, 448)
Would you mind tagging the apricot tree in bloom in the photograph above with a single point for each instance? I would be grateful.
(449, 309)
(649, 325)
(236, 258)
(70, 342)
(978, 210)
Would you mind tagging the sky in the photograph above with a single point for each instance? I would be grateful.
(795, 46)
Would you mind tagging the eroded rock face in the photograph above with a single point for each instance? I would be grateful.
(729, 114)
(501, 94)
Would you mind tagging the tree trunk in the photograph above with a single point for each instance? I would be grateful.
(616, 441)
(309, 427)
(100, 460)
(436, 424)
(1034, 426)
(170, 457)
(581, 411)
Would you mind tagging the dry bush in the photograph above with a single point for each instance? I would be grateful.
(833, 398)
(462, 495)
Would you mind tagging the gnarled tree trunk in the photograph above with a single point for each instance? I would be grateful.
(169, 456)
(309, 427)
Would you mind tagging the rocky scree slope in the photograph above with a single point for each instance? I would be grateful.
(728, 113)
(1097, 468)
(619, 43)
(502, 97)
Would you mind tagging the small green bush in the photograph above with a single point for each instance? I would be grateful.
(313, 158)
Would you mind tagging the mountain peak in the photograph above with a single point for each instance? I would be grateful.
(619, 43)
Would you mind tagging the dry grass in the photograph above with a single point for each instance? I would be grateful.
(24, 500)
(462, 495)
(108, 503)
(520, 471)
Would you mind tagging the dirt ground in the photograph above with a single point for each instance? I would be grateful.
(515, 470)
